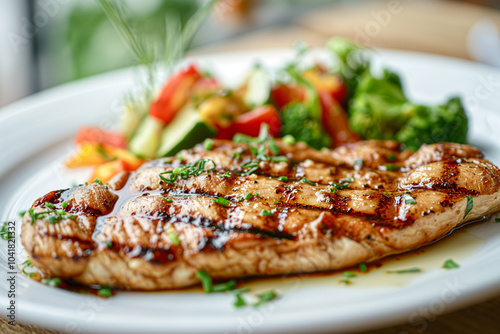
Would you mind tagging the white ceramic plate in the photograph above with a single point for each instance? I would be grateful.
(36, 134)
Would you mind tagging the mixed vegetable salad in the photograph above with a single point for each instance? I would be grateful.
(323, 106)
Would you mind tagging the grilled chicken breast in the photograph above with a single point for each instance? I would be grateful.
(240, 210)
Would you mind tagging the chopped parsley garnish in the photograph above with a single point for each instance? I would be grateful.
(343, 184)
(249, 196)
(404, 271)
(179, 156)
(221, 200)
(59, 214)
(173, 237)
(104, 292)
(4, 232)
(470, 204)
(208, 287)
(97, 181)
(27, 264)
(391, 167)
(391, 157)
(55, 282)
(195, 169)
(283, 178)
(266, 213)
(237, 155)
(109, 244)
(258, 148)
(228, 286)
(289, 140)
(252, 167)
(333, 190)
(49, 205)
(273, 147)
(21, 214)
(363, 268)
(64, 205)
(349, 274)
(358, 163)
(450, 264)
(266, 297)
(226, 174)
(208, 144)
(279, 158)
(169, 200)
(275, 202)
(206, 280)
(347, 180)
(408, 199)
(304, 179)
(239, 302)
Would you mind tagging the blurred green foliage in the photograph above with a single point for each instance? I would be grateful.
(93, 44)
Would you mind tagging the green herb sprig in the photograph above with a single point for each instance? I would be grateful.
(343, 184)
(53, 215)
(54, 282)
(470, 205)
(194, 169)
(258, 147)
(165, 52)
(5, 234)
(450, 264)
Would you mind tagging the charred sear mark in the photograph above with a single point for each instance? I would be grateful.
(54, 197)
(220, 227)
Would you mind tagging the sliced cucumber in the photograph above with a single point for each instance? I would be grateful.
(147, 138)
(129, 120)
(185, 131)
(257, 87)
(134, 112)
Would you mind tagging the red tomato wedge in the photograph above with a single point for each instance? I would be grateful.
(100, 136)
(175, 94)
(335, 120)
(249, 123)
(284, 94)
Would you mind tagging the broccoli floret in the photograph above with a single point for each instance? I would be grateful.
(445, 123)
(379, 110)
(298, 123)
(351, 60)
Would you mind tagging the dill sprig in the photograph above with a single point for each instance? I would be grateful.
(151, 54)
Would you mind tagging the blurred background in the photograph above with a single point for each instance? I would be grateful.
(49, 42)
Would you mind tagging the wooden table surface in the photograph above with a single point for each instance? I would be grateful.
(438, 27)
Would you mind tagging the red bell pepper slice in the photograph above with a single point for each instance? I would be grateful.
(100, 136)
(335, 120)
(249, 123)
(174, 94)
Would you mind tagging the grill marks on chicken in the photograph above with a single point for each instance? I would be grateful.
(149, 234)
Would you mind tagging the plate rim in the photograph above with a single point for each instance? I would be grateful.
(19, 108)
